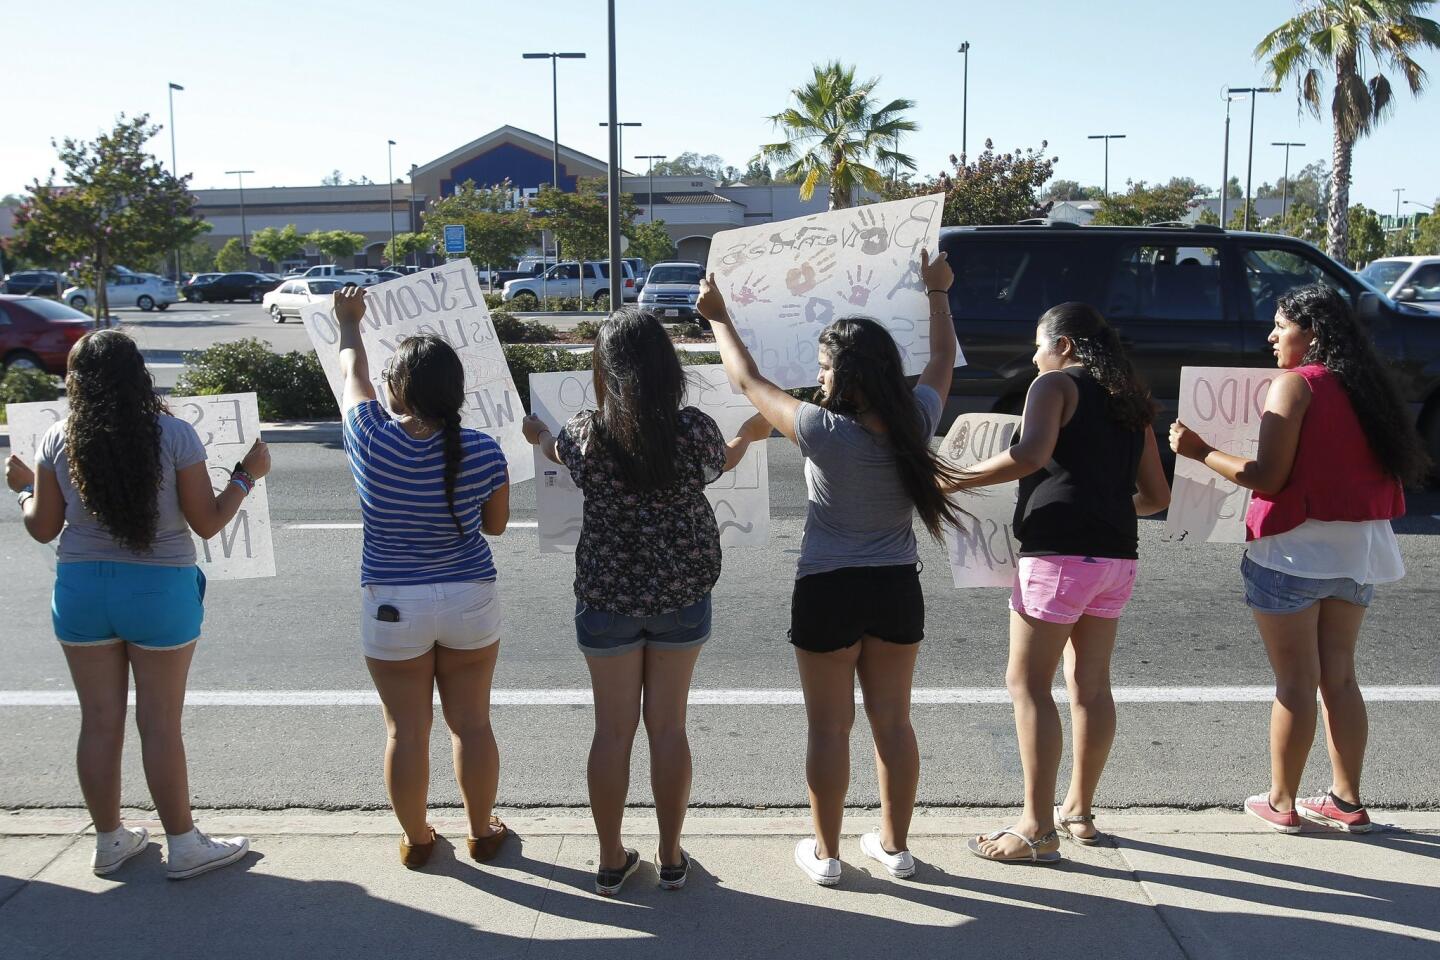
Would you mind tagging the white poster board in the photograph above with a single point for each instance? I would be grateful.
(983, 549)
(785, 282)
(445, 301)
(741, 497)
(1224, 406)
(228, 425)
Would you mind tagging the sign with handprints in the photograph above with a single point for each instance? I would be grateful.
(1224, 405)
(785, 282)
(228, 425)
(982, 548)
(741, 497)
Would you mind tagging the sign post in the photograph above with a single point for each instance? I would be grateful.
(455, 238)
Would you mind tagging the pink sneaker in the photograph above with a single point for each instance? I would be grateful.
(1259, 806)
(1325, 810)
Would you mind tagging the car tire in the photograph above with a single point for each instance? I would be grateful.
(79, 303)
(145, 302)
(256, 296)
(23, 360)
(162, 306)
(275, 314)
(601, 300)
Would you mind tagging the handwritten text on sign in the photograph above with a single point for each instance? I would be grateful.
(785, 282)
(983, 548)
(228, 424)
(446, 302)
(1224, 405)
(741, 497)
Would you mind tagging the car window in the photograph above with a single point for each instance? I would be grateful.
(1272, 272)
(1426, 282)
(674, 275)
(1004, 280)
(54, 310)
(322, 287)
(1165, 282)
(567, 271)
(603, 267)
(1384, 273)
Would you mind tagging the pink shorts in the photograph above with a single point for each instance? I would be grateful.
(1064, 589)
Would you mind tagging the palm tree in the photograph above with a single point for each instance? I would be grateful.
(833, 130)
(1349, 38)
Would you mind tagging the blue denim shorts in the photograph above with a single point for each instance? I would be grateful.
(604, 634)
(106, 601)
(1273, 591)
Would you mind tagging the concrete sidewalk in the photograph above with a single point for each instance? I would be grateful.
(1189, 886)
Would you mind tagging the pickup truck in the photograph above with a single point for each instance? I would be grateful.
(329, 271)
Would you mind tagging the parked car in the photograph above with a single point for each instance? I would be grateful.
(37, 333)
(293, 295)
(1178, 296)
(386, 275)
(198, 279)
(228, 287)
(671, 290)
(640, 269)
(526, 267)
(38, 282)
(564, 280)
(126, 289)
(329, 271)
(1414, 280)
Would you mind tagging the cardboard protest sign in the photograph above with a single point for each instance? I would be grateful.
(784, 282)
(1224, 405)
(983, 549)
(445, 301)
(741, 497)
(228, 425)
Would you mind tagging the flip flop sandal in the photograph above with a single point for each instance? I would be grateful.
(1035, 857)
(1063, 824)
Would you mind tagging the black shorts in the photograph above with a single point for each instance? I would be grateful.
(833, 610)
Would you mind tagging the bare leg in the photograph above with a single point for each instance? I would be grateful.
(101, 674)
(1347, 727)
(828, 680)
(1092, 713)
(464, 678)
(160, 677)
(406, 690)
(1293, 646)
(667, 692)
(616, 683)
(887, 672)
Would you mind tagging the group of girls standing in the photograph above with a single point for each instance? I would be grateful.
(122, 483)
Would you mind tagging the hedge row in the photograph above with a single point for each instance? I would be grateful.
(19, 385)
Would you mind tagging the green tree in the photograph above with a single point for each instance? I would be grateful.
(496, 232)
(1348, 39)
(580, 220)
(1208, 217)
(1070, 190)
(835, 131)
(336, 243)
(691, 164)
(113, 203)
(197, 256)
(399, 249)
(277, 244)
(1142, 204)
(231, 256)
(1365, 236)
(995, 188)
(1427, 234)
(651, 241)
(757, 173)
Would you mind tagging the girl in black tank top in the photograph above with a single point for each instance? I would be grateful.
(1088, 466)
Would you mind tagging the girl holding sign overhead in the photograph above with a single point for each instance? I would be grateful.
(648, 556)
(123, 484)
(857, 607)
(1336, 446)
(1088, 466)
(430, 614)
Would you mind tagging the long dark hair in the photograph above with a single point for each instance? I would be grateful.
(1096, 345)
(427, 379)
(112, 437)
(867, 368)
(640, 387)
(1344, 348)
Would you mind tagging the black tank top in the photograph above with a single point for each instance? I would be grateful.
(1081, 503)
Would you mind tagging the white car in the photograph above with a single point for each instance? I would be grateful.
(143, 290)
(563, 280)
(328, 271)
(292, 296)
(1412, 280)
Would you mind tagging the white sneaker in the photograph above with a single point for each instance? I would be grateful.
(898, 865)
(824, 872)
(191, 854)
(111, 850)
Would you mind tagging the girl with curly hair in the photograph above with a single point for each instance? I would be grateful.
(1336, 448)
(123, 484)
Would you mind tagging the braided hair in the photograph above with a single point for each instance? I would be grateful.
(427, 379)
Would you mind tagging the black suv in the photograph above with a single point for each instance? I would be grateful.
(1178, 295)
(41, 283)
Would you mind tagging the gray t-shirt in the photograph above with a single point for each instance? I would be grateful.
(859, 514)
(84, 539)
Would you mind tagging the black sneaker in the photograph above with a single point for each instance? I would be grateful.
(609, 882)
(673, 877)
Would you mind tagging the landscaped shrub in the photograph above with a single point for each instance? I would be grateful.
(686, 330)
(493, 301)
(511, 329)
(22, 385)
(290, 386)
(525, 359)
(587, 329)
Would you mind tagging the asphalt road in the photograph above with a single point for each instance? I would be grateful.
(297, 632)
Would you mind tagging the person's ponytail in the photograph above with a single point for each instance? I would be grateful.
(454, 456)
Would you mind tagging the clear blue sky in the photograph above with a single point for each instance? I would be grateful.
(295, 90)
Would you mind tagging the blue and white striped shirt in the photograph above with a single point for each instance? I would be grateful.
(409, 535)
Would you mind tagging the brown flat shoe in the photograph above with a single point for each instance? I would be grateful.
(486, 848)
(416, 855)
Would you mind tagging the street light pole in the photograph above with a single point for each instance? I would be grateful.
(174, 165)
(964, 50)
(390, 179)
(1225, 168)
(652, 157)
(244, 233)
(1107, 137)
(1250, 162)
(612, 200)
(554, 144)
(620, 139)
(1285, 183)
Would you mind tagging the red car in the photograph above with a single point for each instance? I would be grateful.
(38, 333)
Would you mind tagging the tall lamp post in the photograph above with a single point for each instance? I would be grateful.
(652, 157)
(1107, 137)
(244, 233)
(612, 200)
(390, 180)
(554, 138)
(620, 135)
(1250, 162)
(964, 50)
(174, 165)
(1415, 224)
(1285, 183)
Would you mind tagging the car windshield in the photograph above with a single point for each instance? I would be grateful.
(674, 275)
(1384, 273)
(323, 286)
(53, 310)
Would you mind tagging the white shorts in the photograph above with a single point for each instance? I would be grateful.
(459, 616)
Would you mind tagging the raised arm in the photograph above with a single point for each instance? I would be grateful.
(940, 368)
(1269, 471)
(354, 364)
(38, 492)
(754, 430)
(774, 404)
(1045, 405)
(206, 511)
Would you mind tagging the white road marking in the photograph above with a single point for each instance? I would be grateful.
(515, 524)
(575, 696)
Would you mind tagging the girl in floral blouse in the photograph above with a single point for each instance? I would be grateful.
(648, 556)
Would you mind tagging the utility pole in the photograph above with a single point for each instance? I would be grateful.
(554, 148)
(244, 233)
(1285, 183)
(964, 50)
(174, 165)
(652, 157)
(613, 199)
(620, 145)
(1250, 163)
(390, 180)
(1107, 137)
